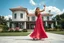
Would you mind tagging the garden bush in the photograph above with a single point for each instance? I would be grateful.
(24, 30)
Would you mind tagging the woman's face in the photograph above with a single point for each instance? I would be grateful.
(38, 9)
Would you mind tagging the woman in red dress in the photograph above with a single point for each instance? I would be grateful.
(39, 31)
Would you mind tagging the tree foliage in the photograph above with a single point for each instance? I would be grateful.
(60, 19)
(2, 20)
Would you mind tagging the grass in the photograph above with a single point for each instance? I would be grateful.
(57, 32)
(14, 33)
(26, 33)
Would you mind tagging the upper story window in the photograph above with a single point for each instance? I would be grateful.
(15, 15)
(28, 18)
(21, 15)
(33, 18)
(47, 17)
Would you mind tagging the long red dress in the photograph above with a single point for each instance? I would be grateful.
(39, 31)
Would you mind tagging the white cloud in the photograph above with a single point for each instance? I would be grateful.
(32, 2)
(8, 16)
(63, 11)
(31, 10)
(54, 10)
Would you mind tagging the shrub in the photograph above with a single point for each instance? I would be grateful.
(5, 28)
(24, 30)
(46, 27)
(1, 28)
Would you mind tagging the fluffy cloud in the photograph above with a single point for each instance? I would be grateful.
(32, 2)
(8, 16)
(54, 10)
(31, 10)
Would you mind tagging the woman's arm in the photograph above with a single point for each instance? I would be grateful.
(43, 9)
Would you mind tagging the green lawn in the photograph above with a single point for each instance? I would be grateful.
(14, 33)
(25, 33)
(57, 32)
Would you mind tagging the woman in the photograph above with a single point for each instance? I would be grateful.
(39, 31)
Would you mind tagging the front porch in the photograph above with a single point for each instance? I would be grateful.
(16, 25)
(28, 24)
(31, 24)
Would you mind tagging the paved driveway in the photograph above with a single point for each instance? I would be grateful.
(53, 38)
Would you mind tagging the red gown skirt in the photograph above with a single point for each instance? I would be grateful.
(39, 31)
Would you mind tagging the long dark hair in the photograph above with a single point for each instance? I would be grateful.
(36, 13)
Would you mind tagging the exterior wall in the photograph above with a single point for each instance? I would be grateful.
(18, 16)
(30, 18)
(50, 18)
(44, 18)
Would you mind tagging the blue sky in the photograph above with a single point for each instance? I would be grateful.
(29, 4)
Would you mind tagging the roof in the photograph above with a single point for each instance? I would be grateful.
(18, 9)
(43, 14)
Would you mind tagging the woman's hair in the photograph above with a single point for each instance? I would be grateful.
(36, 12)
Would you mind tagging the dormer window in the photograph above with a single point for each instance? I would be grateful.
(15, 15)
(21, 15)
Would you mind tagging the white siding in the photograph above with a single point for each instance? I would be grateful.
(30, 18)
(50, 17)
(44, 18)
(18, 18)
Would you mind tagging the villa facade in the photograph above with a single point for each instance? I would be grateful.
(23, 21)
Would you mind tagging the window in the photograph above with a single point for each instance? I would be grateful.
(21, 15)
(47, 17)
(44, 18)
(33, 18)
(15, 15)
(28, 18)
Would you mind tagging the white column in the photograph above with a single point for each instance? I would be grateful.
(8, 24)
(46, 23)
(52, 26)
(12, 25)
(24, 25)
(56, 23)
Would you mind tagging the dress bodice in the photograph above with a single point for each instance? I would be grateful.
(39, 15)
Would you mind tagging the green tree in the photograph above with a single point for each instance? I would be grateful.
(60, 20)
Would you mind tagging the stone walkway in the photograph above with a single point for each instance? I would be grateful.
(53, 38)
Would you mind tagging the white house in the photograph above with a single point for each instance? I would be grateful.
(21, 20)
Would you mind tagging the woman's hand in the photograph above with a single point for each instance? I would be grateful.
(43, 9)
(44, 5)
